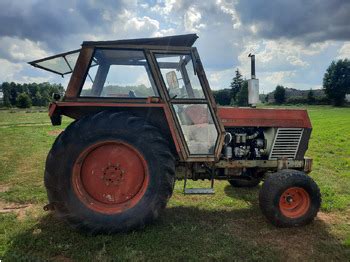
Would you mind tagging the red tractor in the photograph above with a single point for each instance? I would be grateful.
(144, 117)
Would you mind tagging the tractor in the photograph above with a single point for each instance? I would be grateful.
(144, 117)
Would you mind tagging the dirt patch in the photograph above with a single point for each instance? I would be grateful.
(19, 209)
(327, 217)
(54, 132)
(4, 188)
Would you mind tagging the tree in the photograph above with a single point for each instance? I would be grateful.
(336, 81)
(311, 97)
(236, 84)
(23, 101)
(280, 94)
(242, 95)
(223, 96)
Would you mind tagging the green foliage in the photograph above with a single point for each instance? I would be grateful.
(280, 94)
(38, 94)
(336, 81)
(242, 95)
(236, 85)
(223, 96)
(23, 101)
(311, 97)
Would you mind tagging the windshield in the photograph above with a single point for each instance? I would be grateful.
(119, 73)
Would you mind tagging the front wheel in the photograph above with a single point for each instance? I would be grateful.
(289, 198)
(109, 172)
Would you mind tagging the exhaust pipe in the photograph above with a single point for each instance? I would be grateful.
(253, 84)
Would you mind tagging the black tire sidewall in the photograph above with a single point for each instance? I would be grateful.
(273, 189)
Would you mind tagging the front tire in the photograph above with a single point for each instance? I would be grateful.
(109, 172)
(289, 198)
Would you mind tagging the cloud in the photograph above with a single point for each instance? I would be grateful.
(305, 21)
(344, 51)
(8, 70)
(20, 50)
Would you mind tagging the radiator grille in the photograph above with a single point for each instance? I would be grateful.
(286, 143)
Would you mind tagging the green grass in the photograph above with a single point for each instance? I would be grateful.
(224, 226)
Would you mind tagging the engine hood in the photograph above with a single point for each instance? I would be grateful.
(264, 117)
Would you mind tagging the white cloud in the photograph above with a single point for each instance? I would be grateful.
(344, 51)
(24, 50)
(9, 70)
(192, 20)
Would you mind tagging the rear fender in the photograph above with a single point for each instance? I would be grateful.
(154, 113)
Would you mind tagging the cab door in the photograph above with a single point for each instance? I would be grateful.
(191, 102)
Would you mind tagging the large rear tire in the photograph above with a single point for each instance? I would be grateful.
(289, 198)
(109, 172)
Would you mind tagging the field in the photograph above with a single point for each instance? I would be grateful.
(224, 226)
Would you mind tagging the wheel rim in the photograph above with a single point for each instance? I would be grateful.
(294, 202)
(110, 177)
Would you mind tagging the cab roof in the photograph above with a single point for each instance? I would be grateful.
(175, 40)
(64, 63)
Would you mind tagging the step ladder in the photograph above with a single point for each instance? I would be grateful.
(199, 191)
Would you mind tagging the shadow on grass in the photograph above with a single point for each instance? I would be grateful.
(182, 233)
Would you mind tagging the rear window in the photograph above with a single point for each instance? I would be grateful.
(119, 73)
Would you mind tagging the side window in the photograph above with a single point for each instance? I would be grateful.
(119, 73)
(198, 127)
(179, 76)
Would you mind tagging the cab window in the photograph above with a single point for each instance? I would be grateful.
(179, 76)
(119, 73)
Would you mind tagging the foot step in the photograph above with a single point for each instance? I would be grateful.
(199, 191)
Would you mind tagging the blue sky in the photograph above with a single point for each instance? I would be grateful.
(294, 41)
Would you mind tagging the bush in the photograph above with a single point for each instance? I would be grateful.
(223, 97)
(280, 94)
(23, 101)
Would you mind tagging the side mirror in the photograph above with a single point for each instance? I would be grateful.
(171, 80)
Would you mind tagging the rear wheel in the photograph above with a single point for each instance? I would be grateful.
(289, 198)
(109, 172)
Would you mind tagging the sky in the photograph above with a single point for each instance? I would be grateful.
(294, 41)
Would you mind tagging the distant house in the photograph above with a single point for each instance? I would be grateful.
(347, 98)
(1, 97)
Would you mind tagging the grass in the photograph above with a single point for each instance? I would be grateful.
(224, 226)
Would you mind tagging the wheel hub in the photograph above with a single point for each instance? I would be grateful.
(110, 177)
(294, 202)
(113, 175)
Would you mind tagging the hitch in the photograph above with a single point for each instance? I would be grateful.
(49, 207)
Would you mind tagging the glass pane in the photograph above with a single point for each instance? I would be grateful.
(119, 73)
(198, 127)
(57, 64)
(179, 76)
(72, 59)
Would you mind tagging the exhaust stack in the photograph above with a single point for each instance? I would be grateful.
(253, 84)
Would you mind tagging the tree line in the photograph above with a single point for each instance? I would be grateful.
(27, 95)
(336, 84)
